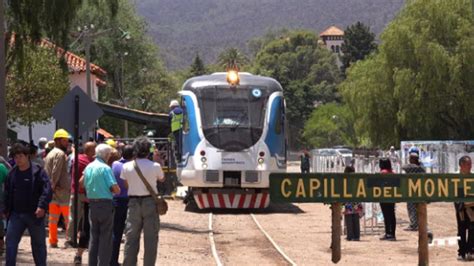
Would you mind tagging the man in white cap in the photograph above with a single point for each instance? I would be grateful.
(176, 124)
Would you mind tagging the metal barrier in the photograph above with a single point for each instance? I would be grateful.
(372, 219)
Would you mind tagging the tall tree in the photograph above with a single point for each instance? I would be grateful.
(359, 42)
(32, 94)
(30, 20)
(330, 125)
(307, 72)
(419, 84)
(232, 57)
(3, 106)
(135, 73)
(197, 67)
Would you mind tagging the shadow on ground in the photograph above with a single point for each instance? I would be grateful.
(180, 228)
(273, 208)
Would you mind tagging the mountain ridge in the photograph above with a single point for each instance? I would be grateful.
(183, 28)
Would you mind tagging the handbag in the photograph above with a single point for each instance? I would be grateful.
(161, 204)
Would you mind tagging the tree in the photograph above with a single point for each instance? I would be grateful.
(256, 44)
(32, 94)
(232, 57)
(135, 74)
(197, 67)
(307, 72)
(30, 21)
(419, 85)
(330, 125)
(359, 42)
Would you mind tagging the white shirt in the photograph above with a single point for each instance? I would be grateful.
(150, 170)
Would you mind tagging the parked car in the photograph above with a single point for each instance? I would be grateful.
(346, 155)
(324, 152)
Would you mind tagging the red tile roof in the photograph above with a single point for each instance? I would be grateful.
(332, 31)
(76, 63)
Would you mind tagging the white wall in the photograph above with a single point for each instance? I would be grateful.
(47, 131)
(79, 79)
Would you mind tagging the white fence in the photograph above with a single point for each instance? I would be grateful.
(435, 156)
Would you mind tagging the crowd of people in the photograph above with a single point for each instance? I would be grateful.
(353, 211)
(113, 200)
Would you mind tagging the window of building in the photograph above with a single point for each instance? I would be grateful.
(332, 48)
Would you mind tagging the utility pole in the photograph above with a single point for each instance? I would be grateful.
(88, 36)
(122, 94)
(3, 104)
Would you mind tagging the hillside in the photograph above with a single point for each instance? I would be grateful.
(184, 27)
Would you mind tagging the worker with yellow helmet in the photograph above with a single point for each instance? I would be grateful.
(56, 168)
(176, 124)
(112, 143)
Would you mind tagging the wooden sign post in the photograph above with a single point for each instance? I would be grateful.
(423, 254)
(336, 232)
(335, 188)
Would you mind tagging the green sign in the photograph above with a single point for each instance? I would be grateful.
(339, 187)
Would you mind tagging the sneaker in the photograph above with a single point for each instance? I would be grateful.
(77, 260)
(388, 238)
(461, 257)
(409, 228)
(53, 245)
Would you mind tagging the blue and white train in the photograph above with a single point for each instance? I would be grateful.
(234, 136)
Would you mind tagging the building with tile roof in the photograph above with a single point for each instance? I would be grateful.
(332, 38)
(77, 77)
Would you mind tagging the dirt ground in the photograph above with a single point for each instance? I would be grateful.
(303, 231)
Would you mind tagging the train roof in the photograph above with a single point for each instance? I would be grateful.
(219, 79)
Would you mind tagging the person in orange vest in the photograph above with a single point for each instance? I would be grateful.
(56, 168)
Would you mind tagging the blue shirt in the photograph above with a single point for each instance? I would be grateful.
(117, 167)
(98, 179)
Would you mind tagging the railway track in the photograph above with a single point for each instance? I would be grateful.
(240, 239)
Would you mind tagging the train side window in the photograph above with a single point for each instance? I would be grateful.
(185, 116)
(279, 119)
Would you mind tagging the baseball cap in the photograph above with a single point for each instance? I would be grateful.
(414, 151)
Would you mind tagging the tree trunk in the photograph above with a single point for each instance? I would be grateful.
(3, 107)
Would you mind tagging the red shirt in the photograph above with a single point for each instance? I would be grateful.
(84, 160)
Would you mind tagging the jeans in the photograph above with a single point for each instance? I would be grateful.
(121, 207)
(352, 226)
(80, 215)
(411, 207)
(17, 224)
(101, 219)
(465, 231)
(141, 215)
(84, 227)
(389, 219)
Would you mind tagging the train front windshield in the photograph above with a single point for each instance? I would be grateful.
(232, 118)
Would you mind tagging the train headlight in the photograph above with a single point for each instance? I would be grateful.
(203, 159)
(204, 166)
(233, 77)
(260, 160)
